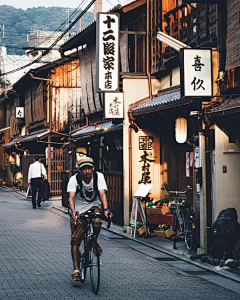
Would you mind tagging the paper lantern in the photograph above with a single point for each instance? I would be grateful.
(181, 130)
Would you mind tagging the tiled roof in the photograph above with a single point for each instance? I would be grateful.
(11, 143)
(32, 137)
(91, 130)
(230, 106)
(162, 100)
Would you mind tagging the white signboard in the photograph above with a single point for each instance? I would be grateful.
(107, 54)
(196, 73)
(19, 112)
(143, 190)
(113, 105)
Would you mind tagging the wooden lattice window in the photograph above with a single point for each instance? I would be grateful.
(194, 24)
(155, 22)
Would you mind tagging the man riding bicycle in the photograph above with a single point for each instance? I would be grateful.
(87, 189)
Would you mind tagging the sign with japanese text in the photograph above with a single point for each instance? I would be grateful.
(107, 52)
(146, 161)
(113, 105)
(196, 73)
(19, 112)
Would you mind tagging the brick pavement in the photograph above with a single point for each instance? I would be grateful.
(35, 262)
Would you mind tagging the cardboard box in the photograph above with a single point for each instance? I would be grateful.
(159, 211)
(141, 230)
(164, 234)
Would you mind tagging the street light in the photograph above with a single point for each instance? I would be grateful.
(170, 41)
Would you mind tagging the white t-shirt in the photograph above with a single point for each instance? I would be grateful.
(81, 205)
(35, 171)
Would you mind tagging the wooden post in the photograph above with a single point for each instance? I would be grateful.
(49, 159)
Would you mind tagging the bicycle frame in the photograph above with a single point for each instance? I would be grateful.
(179, 217)
(88, 236)
(183, 218)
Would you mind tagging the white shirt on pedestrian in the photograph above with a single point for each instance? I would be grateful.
(81, 205)
(35, 171)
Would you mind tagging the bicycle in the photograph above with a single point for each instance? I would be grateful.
(89, 256)
(183, 219)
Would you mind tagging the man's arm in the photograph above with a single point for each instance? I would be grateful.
(103, 198)
(29, 174)
(72, 204)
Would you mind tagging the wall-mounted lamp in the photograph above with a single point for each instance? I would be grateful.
(181, 130)
(88, 143)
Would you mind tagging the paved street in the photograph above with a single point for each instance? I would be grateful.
(35, 262)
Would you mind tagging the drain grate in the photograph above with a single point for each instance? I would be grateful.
(195, 273)
(165, 258)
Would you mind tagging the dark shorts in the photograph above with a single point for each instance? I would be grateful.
(77, 235)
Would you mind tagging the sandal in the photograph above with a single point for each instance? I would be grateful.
(76, 275)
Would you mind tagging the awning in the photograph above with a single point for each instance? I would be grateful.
(164, 100)
(32, 137)
(102, 128)
(11, 143)
(226, 108)
(41, 135)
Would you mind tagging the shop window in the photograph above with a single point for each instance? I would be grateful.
(212, 8)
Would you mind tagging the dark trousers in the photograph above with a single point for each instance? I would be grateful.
(36, 185)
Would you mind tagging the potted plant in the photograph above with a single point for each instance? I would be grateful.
(14, 169)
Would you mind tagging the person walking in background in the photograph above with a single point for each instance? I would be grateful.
(36, 174)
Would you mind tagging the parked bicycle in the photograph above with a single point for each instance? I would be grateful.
(89, 256)
(183, 218)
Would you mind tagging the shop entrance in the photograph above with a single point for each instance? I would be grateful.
(58, 160)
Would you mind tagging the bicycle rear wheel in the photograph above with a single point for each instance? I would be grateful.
(175, 225)
(82, 261)
(94, 264)
(188, 232)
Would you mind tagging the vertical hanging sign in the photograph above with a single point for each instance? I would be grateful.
(107, 52)
(196, 72)
(113, 106)
(19, 112)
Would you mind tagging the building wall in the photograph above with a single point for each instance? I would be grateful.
(226, 187)
(135, 89)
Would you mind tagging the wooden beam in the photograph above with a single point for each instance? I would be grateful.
(133, 5)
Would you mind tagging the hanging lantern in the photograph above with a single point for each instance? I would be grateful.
(181, 130)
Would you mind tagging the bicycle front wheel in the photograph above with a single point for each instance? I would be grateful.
(188, 232)
(82, 261)
(94, 264)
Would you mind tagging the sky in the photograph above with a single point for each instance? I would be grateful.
(24, 4)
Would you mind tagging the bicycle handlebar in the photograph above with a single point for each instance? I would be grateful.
(93, 215)
(189, 188)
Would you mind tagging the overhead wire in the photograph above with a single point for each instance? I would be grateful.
(57, 30)
(54, 43)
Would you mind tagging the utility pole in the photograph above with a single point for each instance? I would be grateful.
(68, 10)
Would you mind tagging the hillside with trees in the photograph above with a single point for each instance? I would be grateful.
(18, 23)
